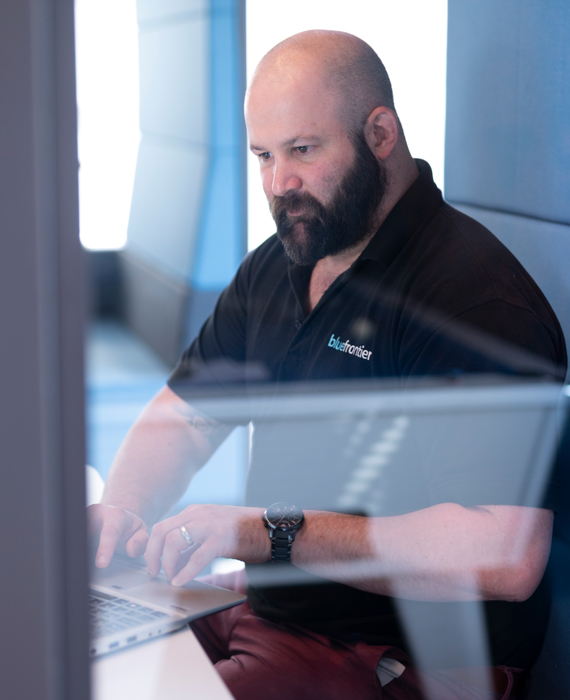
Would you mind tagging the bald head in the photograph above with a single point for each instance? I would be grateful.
(350, 71)
(320, 114)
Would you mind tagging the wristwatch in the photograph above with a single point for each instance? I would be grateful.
(283, 522)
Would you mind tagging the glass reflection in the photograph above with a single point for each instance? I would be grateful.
(403, 393)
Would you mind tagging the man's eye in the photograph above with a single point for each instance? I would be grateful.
(264, 156)
(303, 149)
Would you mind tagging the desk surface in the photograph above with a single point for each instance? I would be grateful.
(174, 667)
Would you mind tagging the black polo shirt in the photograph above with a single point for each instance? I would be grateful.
(433, 294)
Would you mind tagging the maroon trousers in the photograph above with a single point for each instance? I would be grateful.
(258, 659)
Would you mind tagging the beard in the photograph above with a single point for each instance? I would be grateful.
(328, 229)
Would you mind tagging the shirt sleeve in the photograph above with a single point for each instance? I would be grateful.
(213, 370)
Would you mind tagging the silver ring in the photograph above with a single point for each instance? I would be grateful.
(186, 535)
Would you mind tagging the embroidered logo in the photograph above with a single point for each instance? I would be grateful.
(345, 346)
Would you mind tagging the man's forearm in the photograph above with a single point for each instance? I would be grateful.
(165, 447)
(445, 552)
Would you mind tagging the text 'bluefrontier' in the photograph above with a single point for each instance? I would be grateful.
(345, 346)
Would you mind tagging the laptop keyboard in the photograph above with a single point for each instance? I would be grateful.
(109, 614)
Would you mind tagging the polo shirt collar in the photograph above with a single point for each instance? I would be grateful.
(409, 213)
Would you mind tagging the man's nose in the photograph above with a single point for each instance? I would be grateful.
(284, 179)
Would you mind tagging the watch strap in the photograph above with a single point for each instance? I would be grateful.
(281, 543)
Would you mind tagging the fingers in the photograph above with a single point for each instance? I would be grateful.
(174, 544)
(153, 551)
(117, 526)
(218, 531)
(137, 544)
(112, 528)
(199, 559)
(166, 542)
(184, 557)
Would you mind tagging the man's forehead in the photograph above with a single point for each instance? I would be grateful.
(289, 112)
(290, 126)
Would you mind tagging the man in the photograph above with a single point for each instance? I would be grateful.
(371, 275)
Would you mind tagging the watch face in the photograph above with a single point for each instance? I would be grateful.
(283, 516)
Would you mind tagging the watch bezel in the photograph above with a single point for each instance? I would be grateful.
(274, 516)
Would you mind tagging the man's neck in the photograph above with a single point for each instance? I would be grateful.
(328, 269)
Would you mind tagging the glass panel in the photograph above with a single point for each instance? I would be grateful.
(355, 435)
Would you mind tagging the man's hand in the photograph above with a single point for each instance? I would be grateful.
(117, 529)
(217, 531)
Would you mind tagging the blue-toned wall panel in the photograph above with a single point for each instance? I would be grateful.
(508, 106)
(163, 10)
(220, 246)
(167, 201)
(228, 86)
(222, 236)
(174, 79)
(187, 225)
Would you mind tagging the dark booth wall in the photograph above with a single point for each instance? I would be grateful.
(507, 164)
(507, 147)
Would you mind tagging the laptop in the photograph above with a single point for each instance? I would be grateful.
(128, 606)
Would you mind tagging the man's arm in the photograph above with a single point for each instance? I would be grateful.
(168, 443)
(445, 552)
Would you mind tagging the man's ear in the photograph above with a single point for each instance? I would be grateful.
(381, 132)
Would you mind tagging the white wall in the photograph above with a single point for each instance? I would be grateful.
(410, 36)
(106, 38)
